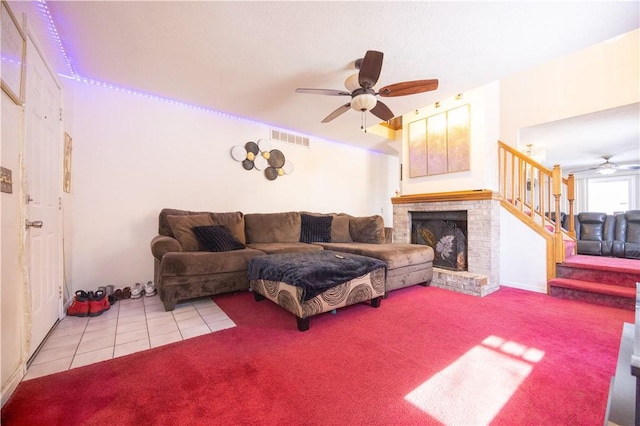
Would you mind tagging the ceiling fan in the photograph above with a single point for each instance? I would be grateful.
(609, 168)
(363, 95)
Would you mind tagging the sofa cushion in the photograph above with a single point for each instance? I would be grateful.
(395, 255)
(216, 238)
(593, 248)
(181, 227)
(163, 224)
(592, 226)
(233, 221)
(272, 248)
(633, 226)
(192, 265)
(272, 227)
(367, 229)
(340, 229)
(315, 229)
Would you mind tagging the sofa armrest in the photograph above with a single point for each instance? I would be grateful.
(161, 244)
(388, 235)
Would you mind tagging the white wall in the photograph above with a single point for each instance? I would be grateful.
(522, 255)
(594, 79)
(484, 108)
(134, 156)
(12, 288)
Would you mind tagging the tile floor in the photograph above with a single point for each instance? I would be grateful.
(131, 325)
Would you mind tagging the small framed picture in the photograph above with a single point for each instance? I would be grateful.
(66, 174)
(13, 51)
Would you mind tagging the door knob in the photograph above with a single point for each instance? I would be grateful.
(34, 224)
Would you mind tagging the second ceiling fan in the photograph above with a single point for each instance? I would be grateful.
(363, 96)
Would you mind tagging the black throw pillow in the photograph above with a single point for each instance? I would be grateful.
(315, 229)
(216, 238)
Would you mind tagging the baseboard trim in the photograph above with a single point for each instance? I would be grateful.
(12, 383)
(525, 286)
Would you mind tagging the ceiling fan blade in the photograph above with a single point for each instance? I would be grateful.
(409, 88)
(382, 111)
(629, 166)
(584, 170)
(329, 92)
(370, 69)
(338, 112)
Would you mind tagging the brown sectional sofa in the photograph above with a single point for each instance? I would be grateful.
(183, 270)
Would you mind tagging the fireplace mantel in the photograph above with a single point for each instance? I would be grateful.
(470, 195)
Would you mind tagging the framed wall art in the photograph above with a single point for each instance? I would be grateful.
(66, 169)
(418, 148)
(12, 51)
(458, 155)
(437, 144)
(440, 143)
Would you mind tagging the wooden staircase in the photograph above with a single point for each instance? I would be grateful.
(536, 195)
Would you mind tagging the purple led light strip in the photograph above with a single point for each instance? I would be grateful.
(74, 76)
(56, 36)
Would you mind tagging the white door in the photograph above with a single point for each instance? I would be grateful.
(43, 182)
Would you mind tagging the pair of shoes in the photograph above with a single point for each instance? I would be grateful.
(110, 293)
(150, 289)
(137, 291)
(120, 294)
(88, 304)
(80, 305)
(98, 303)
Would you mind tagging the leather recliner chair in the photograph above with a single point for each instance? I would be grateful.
(627, 235)
(594, 233)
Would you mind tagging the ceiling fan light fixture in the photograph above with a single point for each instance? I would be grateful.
(351, 83)
(363, 102)
(606, 170)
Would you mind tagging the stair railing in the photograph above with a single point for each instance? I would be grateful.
(535, 195)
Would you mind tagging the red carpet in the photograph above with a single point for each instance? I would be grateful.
(426, 356)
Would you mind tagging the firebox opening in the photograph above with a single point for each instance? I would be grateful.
(446, 233)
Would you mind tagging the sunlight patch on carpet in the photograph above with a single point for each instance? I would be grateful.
(474, 388)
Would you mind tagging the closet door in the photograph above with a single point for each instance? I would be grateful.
(43, 159)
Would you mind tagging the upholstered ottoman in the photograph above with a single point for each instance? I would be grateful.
(311, 283)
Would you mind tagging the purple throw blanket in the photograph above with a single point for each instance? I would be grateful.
(314, 272)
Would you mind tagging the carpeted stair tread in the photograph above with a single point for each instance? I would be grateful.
(599, 269)
(613, 290)
(600, 263)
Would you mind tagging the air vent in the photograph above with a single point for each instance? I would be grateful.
(279, 135)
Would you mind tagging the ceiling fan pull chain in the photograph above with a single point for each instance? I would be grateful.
(363, 121)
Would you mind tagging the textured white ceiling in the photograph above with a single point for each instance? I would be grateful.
(247, 58)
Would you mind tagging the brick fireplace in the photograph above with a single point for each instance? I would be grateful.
(482, 209)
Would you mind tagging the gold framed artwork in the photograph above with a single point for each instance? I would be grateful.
(12, 52)
(440, 143)
(66, 173)
(437, 144)
(418, 148)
